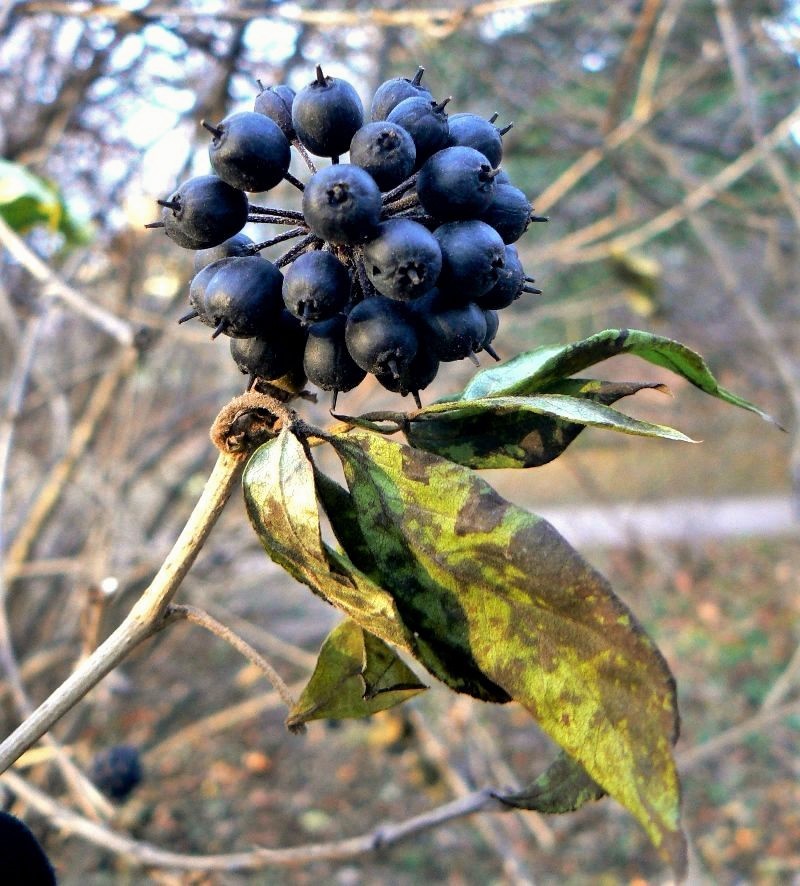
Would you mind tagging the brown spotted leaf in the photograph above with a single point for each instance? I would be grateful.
(281, 501)
(526, 431)
(356, 675)
(447, 657)
(495, 587)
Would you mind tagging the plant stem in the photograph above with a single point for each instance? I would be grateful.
(145, 619)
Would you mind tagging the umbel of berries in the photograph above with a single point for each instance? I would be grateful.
(396, 261)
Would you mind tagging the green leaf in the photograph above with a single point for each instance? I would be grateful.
(356, 675)
(563, 787)
(497, 588)
(536, 371)
(27, 200)
(281, 502)
(524, 432)
(434, 652)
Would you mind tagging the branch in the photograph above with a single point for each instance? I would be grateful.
(695, 199)
(145, 619)
(54, 285)
(435, 22)
(199, 617)
(257, 859)
(102, 398)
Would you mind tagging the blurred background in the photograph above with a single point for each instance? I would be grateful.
(661, 138)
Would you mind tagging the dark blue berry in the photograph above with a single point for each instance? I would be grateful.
(327, 361)
(23, 862)
(386, 151)
(238, 245)
(342, 204)
(203, 212)
(326, 115)
(380, 336)
(274, 352)
(475, 132)
(244, 297)
(426, 123)
(456, 183)
(249, 151)
(316, 286)
(473, 255)
(275, 102)
(403, 260)
(116, 771)
(450, 331)
(391, 92)
(509, 213)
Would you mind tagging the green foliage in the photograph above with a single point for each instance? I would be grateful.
(27, 200)
(356, 675)
(487, 596)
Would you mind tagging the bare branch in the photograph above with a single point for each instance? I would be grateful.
(55, 286)
(146, 854)
(145, 619)
(199, 617)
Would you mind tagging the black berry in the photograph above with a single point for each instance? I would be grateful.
(342, 204)
(116, 771)
(203, 212)
(404, 259)
(249, 151)
(326, 115)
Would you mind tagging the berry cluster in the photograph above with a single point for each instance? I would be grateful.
(403, 257)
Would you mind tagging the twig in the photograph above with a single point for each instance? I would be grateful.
(101, 399)
(788, 677)
(434, 22)
(275, 645)
(54, 285)
(622, 133)
(736, 734)
(696, 199)
(513, 867)
(85, 793)
(146, 854)
(145, 619)
(204, 620)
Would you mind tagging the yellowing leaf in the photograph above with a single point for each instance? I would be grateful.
(356, 675)
(281, 503)
(498, 592)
